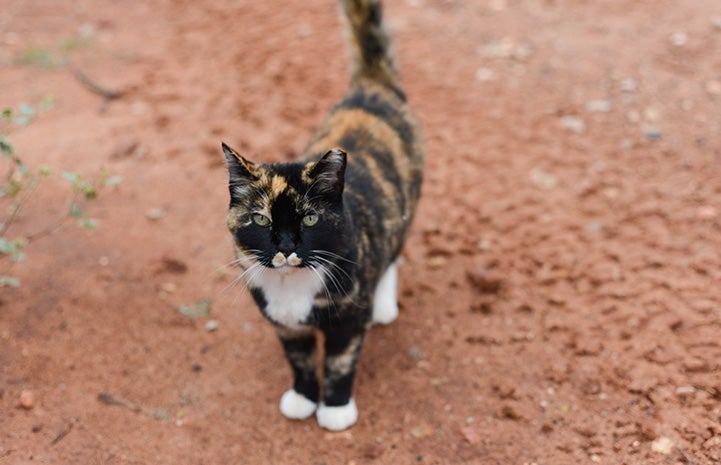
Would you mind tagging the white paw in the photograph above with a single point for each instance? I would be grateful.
(337, 418)
(385, 300)
(296, 406)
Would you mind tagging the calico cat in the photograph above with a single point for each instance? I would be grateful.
(318, 238)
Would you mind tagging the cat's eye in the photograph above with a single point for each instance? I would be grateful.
(310, 219)
(260, 220)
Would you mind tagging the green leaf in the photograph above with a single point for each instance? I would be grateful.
(13, 249)
(23, 169)
(197, 310)
(6, 147)
(40, 57)
(89, 224)
(74, 178)
(9, 281)
(75, 210)
(26, 114)
(88, 190)
(7, 113)
(44, 171)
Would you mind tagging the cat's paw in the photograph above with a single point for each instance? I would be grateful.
(337, 418)
(296, 406)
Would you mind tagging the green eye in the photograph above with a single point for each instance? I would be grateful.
(260, 220)
(310, 219)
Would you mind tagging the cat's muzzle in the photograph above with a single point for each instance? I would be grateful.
(281, 261)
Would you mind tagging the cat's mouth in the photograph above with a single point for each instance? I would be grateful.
(281, 262)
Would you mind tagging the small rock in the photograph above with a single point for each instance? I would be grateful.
(653, 134)
(713, 87)
(633, 116)
(168, 264)
(155, 214)
(696, 365)
(505, 48)
(629, 85)
(421, 431)
(679, 39)
(168, 287)
(650, 114)
(485, 74)
(706, 212)
(541, 179)
(37, 428)
(373, 451)
(573, 123)
(415, 353)
(211, 325)
(485, 245)
(484, 281)
(716, 22)
(27, 400)
(510, 413)
(662, 445)
(598, 106)
(470, 434)
(436, 262)
(124, 148)
(685, 390)
(498, 5)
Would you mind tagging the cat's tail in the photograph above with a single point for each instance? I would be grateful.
(370, 45)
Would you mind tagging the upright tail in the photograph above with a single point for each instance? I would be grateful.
(370, 45)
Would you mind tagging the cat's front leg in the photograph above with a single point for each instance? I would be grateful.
(300, 402)
(338, 410)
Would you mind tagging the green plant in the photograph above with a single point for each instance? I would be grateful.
(21, 181)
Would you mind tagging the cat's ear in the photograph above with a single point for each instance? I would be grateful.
(328, 173)
(239, 168)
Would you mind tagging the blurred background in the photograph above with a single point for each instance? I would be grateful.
(559, 291)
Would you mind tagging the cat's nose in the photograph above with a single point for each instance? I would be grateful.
(286, 245)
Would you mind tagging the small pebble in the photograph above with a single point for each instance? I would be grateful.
(713, 87)
(485, 74)
(541, 179)
(650, 114)
(598, 106)
(27, 400)
(124, 148)
(662, 445)
(653, 134)
(470, 434)
(499, 5)
(629, 85)
(155, 214)
(211, 325)
(421, 431)
(679, 39)
(573, 123)
(716, 22)
(633, 116)
(685, 390)
(706, 212)
(484, 281)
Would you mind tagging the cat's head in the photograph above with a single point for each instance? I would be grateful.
(286, 215)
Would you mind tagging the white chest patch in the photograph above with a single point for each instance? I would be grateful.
(289, 294)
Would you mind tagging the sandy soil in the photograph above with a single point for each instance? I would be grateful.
(561, 289)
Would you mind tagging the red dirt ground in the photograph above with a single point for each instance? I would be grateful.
(561, 289)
